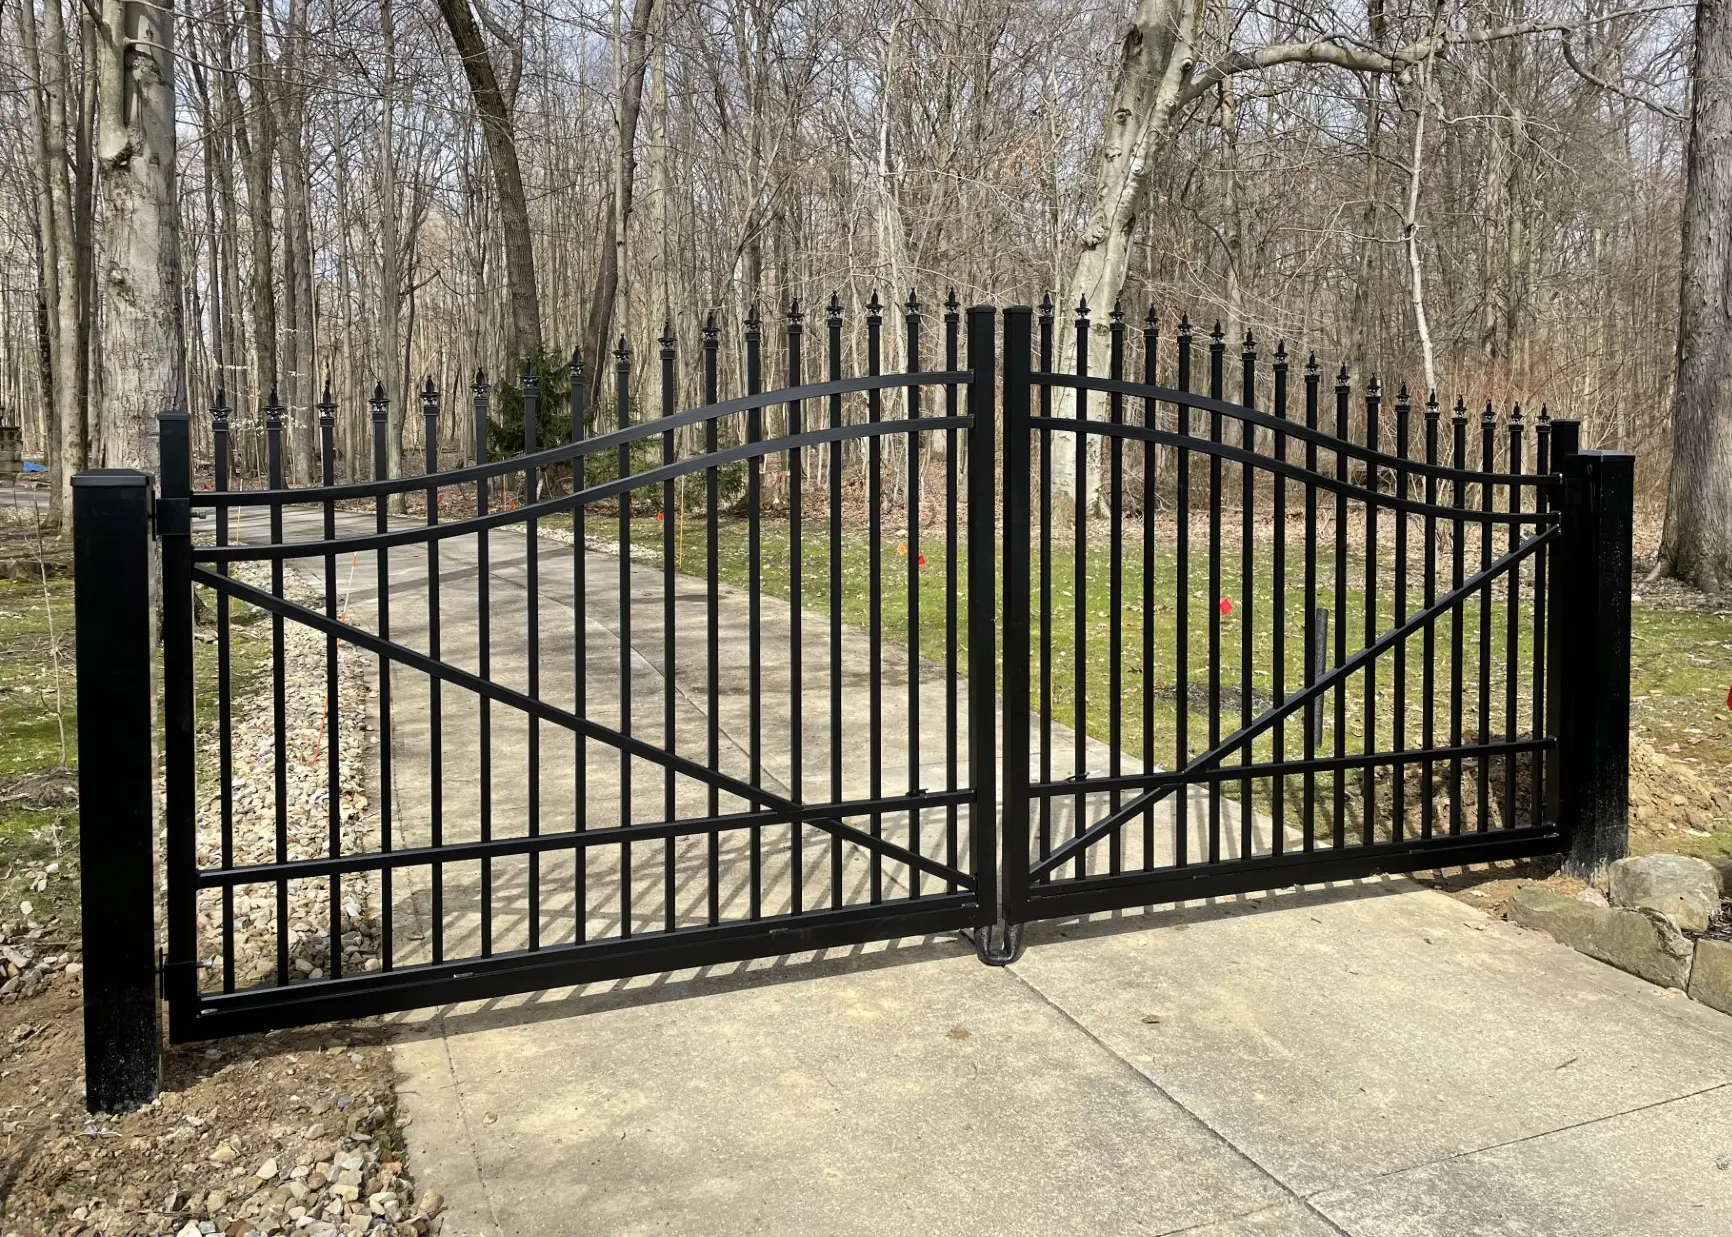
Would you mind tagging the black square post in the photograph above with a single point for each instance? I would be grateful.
(1593, 652)
(116, 648)
(982, 630)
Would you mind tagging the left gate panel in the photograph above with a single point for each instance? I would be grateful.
(600, 708)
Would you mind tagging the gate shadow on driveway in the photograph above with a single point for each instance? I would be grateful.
(696, 983)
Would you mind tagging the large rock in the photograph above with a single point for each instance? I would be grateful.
(1643, 941)
(1711, 976)
(1685, 890)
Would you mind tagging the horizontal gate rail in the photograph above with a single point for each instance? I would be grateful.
(594, 445)
(818, 817)
(1297, 431)
(505, 973)
(1318, 764)
(1296, 472)
(1225, 877)
(565, 503)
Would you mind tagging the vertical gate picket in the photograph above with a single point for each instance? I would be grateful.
(180, 857)
(225, 702)
(984, 821)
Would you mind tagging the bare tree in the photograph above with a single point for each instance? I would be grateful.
(493, 105)
(143, 341)
(1697, 543)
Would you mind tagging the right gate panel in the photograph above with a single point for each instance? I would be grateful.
(1300, 633)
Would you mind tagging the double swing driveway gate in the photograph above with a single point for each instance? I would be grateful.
(726, 682)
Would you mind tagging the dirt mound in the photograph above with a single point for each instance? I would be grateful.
(1669, 797)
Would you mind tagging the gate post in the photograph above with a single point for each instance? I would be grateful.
(1593, 717)
(115, 646)
(1018, 326)
(982, 629)
(180, 858)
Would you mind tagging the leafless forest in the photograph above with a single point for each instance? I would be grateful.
(1485, 197)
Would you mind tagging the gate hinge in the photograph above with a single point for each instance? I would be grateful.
(166, 970)
(173, 517)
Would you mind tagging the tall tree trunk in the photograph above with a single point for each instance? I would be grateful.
(143, 343)
(298, 258)
(598, 329)
(84, 237)
(1697, 543)
(390, 272)
(51, 288)
(239, 393)
(1141, 117)
(57, 62)
(258, 142)
(497, 129)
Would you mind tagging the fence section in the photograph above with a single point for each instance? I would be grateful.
(720, 683)
(1287, 653)
(663, 743)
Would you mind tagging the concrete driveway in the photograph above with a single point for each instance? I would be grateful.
(1373, 1059)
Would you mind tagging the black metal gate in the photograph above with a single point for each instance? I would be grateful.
(1314, 658)
(509, 726)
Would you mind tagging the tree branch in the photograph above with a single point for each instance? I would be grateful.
(1340, 50)
(1593, 79)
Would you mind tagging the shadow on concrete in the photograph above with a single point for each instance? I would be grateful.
(654, 989)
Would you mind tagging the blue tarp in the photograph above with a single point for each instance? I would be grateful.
(33, 466)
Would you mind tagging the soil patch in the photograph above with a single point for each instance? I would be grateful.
(248, 1136)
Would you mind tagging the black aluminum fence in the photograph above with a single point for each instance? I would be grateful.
(1212, 704)
(723, 683)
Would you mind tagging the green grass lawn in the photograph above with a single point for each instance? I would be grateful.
(38, 745)
(39, 821)
(1680, 666)
(1253, 603)
(1680, 672)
